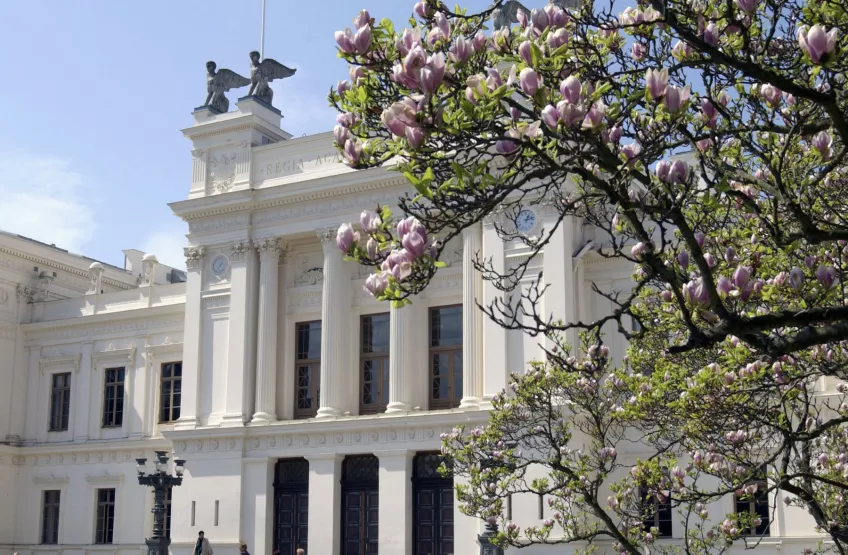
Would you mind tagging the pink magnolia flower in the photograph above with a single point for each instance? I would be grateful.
(681, 50)
(826, 275)
(432, 73)
(683, 259)
(408, 40)
(749, 6)
(677, 99)
(796, 278)
(638, 51)
(822, 142)
(557, 38)
(817, 42)
(711, 34)
(570, 114)
(704, 144)
(362, 19)
(771, 94)
(422, 10)
(415, 136)
(540, 20)
(479, 41)
(340, 135)
(723, 286)
(362, 39)
(709, 113)
(393, 123)
(342, 87)
(352, 152)
(525, 51)
(345, 41)
(679, 172)
(571, 89)
(529, 81)
(631, 150)
(615, 134)
(741, 276)
(345, 237)
(550, 117)
(376, 284)
(662, 170)
(638, 250)
(595, 117)
(710, 260)
(460, 50)
(656, 83)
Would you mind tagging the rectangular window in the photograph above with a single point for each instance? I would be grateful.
(60, 402)
(753, 499)
(655, 514)
(445, 357)
(105, 530)
(374, 363)
(171, 392)
(307, 369)
(50, 517)
(113, 398)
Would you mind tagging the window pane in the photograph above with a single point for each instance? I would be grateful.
(441, 381)
(375, 333)
(309, 340)
(384, 390)
(446, 326)
(369, 383)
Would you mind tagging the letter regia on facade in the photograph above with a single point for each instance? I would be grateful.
(288, 391)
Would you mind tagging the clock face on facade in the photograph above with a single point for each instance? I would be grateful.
(525, 221)
(220, 265)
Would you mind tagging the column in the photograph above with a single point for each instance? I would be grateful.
(395, 532)
(241, 348)
(257, 503)
(82, 409)
(472, 320)
(558, 268)
(335, 323)
(191, 340)
(325, 500)
(401, 358)
(494, 335)
(266, 341)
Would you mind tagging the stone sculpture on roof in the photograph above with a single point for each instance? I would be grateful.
(217, 83)
(262, 73)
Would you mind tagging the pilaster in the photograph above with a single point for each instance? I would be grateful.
(335, 322)
(494, 335)
(191, 382)
(266, 349)
(81, 382)
(472, 320)
(559, 265)
(325, 499)
(238, 405)
(395, 532)
(257, 503)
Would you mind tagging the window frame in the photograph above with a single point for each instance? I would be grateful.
(452, 401)
(106, 536)
(657, 507)
(117, 420)
(172, 380)
(65, 391)
(315, 365)
(382, 360)
(45, 506)
(762, 484)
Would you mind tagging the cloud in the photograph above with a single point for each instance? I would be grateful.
(168, 245)
(42, 198)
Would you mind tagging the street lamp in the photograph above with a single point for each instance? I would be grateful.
(485, 539)
(161, 482)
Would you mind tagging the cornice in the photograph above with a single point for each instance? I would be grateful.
(97, 324)
(74, 360)
(105, 478)
(50, 479)
(114, 355)
(63, 267)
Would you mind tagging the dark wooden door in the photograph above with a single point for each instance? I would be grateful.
(360, 516)
(291, 506)
(433, 507)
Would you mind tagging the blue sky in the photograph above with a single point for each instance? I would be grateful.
(96, 92)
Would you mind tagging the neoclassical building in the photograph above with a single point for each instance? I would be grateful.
(308, 413)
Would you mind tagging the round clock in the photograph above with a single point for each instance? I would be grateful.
(220, 265)
(525, 221)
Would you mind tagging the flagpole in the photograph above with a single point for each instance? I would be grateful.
(262, 35)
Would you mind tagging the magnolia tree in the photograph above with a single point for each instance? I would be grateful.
(706, 140)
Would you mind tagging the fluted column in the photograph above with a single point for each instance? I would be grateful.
(401, 358)
(472, 320)
(266, 343)
(335, 321)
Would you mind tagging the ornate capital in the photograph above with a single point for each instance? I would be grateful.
(271, 246)
(239, 249)
(197, 153)
(25, 292)
(327, 236)
(194, 257)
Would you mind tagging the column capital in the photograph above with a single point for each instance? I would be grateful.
(271, 246)
(238, 249)
(327, 235)
(194, 257)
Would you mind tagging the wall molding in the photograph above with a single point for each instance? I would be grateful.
(73, 360)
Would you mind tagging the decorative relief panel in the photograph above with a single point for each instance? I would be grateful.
(222, 172)
(302, 208)
(7, 300)
(307, 269)
(219, 223)
(216, 301)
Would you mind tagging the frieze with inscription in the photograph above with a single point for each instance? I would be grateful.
(307, 163)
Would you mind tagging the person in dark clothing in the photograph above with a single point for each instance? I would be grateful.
(243, 549)
(202, 546)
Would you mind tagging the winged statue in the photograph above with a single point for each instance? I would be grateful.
(507, 14)
(262, 73)
(217, 83)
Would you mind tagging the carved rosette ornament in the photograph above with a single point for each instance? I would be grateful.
(194, 257)
(238, 250)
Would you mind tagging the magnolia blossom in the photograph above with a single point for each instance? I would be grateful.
(709, 114)
(656, 83)
(376, 284)
(362, 19)
(681, 50)
(422, 10)
(822, 142)
(352, 152)
(796, 278)
(370, 221)
(345, 237)
(679, 172)
(460, 51)
(432, 73)
(771, 94)
(571, 89)
(550, 117)
(711, 34)
(557, 38)
(826, 275)
(638, 250)
(595, 117)
(741, 276)
(677, 99)
(529, 81)
(525, 52)
(723, 286)
(683, 259)
(340, 135)
(817, 42)
(638, 51)
(662, 169)
(631, 150)
(749, 6)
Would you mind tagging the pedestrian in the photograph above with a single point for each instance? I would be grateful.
(300, 552)
(243, 548)
(202, 546)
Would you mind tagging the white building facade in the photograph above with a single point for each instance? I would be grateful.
(308, 413)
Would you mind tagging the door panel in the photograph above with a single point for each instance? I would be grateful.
(434, 519)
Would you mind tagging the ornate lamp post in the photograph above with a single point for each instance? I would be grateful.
(161, 482)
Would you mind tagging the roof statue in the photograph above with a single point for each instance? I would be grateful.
(507, 13)
(262, 73)
(217, 83)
